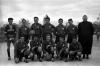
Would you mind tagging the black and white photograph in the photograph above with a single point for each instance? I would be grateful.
(49, 32)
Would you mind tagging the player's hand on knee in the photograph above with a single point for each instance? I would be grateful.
(52, 49)
(33, 48)
(31, 54)
(22, 50)
(79, 53)
(40, 49)
(71, 52)
(66, 50)
(47, 46)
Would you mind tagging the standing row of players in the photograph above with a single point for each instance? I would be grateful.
(41, 42)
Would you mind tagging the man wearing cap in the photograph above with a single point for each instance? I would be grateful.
(85, 35)
(10, 33)
(60, 30)
(71, 31)
(48, 28)
(24, 31)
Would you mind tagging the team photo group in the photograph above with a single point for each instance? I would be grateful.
(48, 42)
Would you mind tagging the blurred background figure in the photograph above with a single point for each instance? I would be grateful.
(96, 25)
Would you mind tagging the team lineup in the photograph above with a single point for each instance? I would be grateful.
(47, 42)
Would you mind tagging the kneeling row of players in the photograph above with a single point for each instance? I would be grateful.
(47, 50)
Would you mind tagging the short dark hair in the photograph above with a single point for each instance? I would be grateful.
(70, 19)
(10, 19)
(60, 19)
(35, 17)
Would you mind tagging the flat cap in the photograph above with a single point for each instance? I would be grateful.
(10, 19)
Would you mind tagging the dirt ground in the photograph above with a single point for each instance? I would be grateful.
(93, 61)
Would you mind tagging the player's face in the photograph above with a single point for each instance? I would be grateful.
(60, 21)
(35, 38)
(61, 39)
(48, 38)
(85, 18)
(24, 21)
(74, 40)
(47, 20)
(10, 21)
(36, 20)
(70, 22)
(22, 39)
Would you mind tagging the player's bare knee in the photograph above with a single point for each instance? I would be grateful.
(52, 49)
(79, 53)
(40, 49)
(71, 53)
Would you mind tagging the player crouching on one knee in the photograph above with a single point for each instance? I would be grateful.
(49, 48)
(21, 51)
(36, 48)
(75, 50)
(62, 49)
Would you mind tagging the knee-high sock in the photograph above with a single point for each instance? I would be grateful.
(8, 52)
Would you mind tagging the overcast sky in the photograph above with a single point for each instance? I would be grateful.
(54, 8)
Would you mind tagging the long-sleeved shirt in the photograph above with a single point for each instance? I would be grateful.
(37, 28)
(10, 31)
(72, 30)
(60, 30)
(48, 28)
(23, 31)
